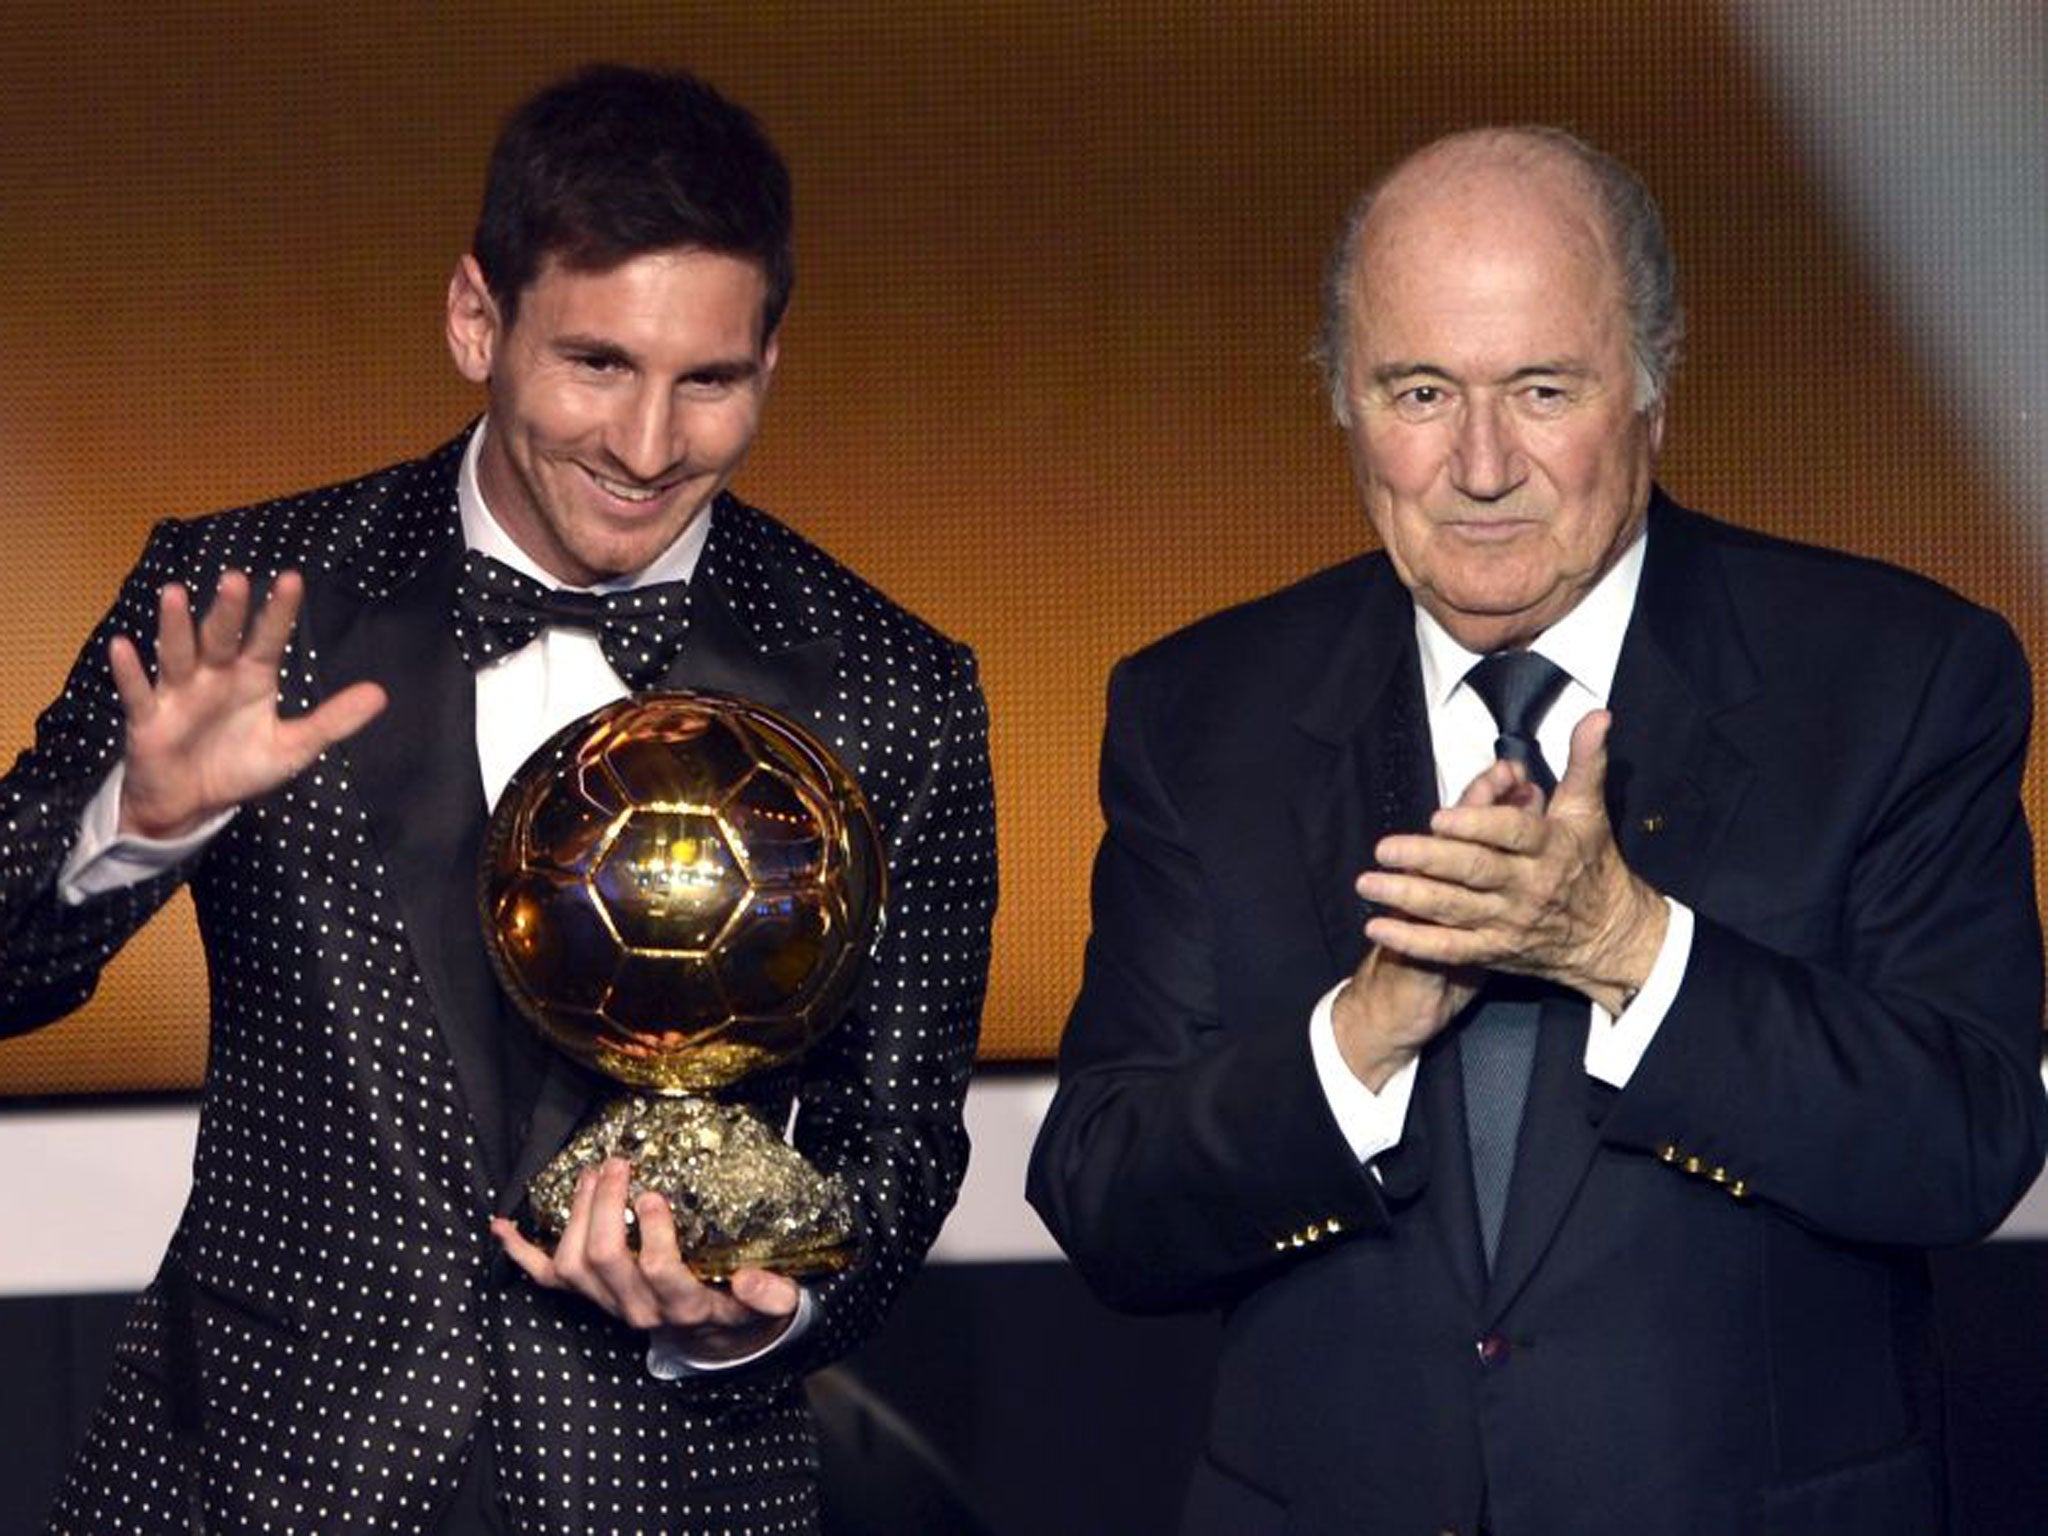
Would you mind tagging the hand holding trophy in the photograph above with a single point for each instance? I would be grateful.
(678, 890)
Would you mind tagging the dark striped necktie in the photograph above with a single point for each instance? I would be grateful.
(1497, 1045)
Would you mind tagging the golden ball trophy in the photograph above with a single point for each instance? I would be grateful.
(679, 890)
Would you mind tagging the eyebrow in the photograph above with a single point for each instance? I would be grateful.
(1386, 373)
(727, 370)
(1549, 368)
(590, 346)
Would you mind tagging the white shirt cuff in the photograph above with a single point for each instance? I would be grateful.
(668, 1361)
(1615, 1045)
(104, 860)
(1371, 1122)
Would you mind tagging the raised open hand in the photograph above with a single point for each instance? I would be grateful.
(205, 735)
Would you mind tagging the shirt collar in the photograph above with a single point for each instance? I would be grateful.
(1586, 642)
(481, 532)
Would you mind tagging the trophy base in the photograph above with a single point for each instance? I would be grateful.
(742, 1198)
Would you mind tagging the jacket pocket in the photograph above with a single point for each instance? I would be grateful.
(183, 1330)
(1897, 1494)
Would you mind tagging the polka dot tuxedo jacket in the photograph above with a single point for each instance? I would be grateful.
(331, 1325)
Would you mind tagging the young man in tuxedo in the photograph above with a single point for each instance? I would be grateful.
(296, 709)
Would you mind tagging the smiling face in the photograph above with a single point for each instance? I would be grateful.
(621, 401)
(1491, 389)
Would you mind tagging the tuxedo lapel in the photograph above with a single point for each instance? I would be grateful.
(568, 1096)
(751, 634)
(415, 768)
(724, 655)
(1674, 782)
(1369, 769)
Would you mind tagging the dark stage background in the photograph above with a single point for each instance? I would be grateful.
(1060, 1419)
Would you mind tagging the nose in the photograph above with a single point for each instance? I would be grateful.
(645, 438)
(1486, 461)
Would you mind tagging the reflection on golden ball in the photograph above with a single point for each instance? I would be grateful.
(679, 889)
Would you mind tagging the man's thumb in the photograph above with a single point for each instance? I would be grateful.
(1585, 775)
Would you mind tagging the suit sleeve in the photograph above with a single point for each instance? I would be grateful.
(884, 1089)
(1873, 1070)
(1182, 1159)
(51, 953)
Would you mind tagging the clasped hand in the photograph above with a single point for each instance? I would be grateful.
(1501, 881)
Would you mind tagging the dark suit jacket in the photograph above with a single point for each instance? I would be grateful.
(337, 1297)
(1709, 1313)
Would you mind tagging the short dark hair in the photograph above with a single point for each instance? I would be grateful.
(613, 162)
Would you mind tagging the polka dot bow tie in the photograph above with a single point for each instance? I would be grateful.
(497, 611)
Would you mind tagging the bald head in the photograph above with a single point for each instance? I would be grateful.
(1501, 396)
(1552, 182)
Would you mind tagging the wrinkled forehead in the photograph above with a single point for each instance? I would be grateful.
(1495, 241)
(1478, 191)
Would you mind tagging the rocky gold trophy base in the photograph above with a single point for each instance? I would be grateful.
(742, 1197)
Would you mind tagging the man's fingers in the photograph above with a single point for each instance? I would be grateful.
(682, 1300)
(1474, 865)
(571, 1248)
(601, 1203)
(615, 1270)
(654, 1287)
(1429, 900)
(131, 680)
(538, 1264)
(176, 653)
(1496, 785)
(220, 632)
(1432, 943)
(1584, 785)
(272, 627)
(766, 1292)
(660, 1254)
(1516, 828)
(337, 719)
(687, 1302)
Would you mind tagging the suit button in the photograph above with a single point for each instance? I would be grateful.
(1494, 1349)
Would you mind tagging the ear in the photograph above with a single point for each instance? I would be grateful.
(1656, 429)
(474, 329)
(770, 352)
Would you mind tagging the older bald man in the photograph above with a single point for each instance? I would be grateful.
(1554, 978)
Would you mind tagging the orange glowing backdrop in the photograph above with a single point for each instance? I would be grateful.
(1044, 377)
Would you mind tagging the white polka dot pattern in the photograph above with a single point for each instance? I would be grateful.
(498, 610)
(348, 1320)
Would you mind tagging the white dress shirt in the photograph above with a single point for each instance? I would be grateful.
(1586, 644)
